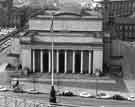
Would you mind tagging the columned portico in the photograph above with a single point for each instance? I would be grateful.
(84, 61)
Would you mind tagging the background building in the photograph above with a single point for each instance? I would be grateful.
(119, 28)
(125, 28)
(5, 6)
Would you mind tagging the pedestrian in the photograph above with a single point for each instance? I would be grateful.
(16, 84)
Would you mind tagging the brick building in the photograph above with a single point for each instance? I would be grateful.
(5, 6)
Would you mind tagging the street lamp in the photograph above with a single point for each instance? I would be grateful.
(52, 98)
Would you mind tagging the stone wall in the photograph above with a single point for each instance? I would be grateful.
(25, 58)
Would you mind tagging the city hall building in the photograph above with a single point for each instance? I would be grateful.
(76, 42)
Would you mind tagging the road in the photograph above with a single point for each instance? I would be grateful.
(72, 101)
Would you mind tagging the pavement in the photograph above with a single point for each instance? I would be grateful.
(77, 86)
(76, 83)
(93, 85)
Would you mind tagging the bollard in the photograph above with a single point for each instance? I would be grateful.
(15, 103)
(24, 101)
(6, 104)
(97, 73)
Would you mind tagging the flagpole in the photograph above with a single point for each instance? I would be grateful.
(52, 63)
(52, 98)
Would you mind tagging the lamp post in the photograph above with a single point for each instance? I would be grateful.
(52, 98)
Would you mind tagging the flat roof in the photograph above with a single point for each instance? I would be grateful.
(69, 15)
(66, 17)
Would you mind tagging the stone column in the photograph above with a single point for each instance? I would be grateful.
(81, 62)
(73, 66)
(65, 65)
(89, 65)
(33, 61)
(41, 60)
(49, 61)
(57, 59)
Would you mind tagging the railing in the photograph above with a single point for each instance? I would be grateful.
(6, 41)
(5, 44)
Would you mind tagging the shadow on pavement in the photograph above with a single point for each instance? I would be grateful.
(119, 85)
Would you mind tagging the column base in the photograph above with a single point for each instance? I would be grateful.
(81, 73)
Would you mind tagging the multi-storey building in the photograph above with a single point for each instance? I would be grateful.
(18, 17)
(125, 28)
(76, 42)
(120, 28)
(5, 7)
(118, 8)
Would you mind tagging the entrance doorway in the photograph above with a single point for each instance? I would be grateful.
(37, 60)
(61, 61)
(45, 61)
(77, 62)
